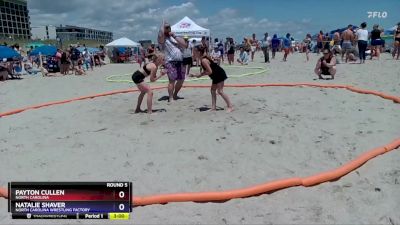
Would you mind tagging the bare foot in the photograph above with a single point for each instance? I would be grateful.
(211, 110)
(229, 109)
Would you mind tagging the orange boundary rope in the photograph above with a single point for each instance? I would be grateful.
(252, 190)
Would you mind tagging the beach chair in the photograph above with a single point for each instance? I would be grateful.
(52, 65)
(17, 72)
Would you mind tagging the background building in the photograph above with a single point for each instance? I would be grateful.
(44, 32)
(14, 19)
(74, 33)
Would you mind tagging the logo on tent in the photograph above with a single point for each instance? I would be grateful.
(184, 25)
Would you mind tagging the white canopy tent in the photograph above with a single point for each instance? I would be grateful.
(123, 42)
(186, 27)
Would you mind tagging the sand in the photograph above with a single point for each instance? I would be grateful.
(274, 133)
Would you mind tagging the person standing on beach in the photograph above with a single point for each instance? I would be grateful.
(149, 69)
(196, 53)
(172, 45)
(348, 40)
(218, 77)
(142, 55)
(396, 42)
(187, 56)
(247, 45)
(275, 42)
(376, 41)
(265, 45)
(254, 46)
(307, 46)
(221, 50)
(362, 37)
(231, 52)
(337, 49)
(287, 43)
(320, 40)
(327, 41)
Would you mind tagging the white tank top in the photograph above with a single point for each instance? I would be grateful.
(362, 35)
(171, 50)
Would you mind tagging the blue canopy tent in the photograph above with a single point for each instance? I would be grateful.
(45, 50)
(7, 53)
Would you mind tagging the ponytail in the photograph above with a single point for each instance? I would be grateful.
(153, 57)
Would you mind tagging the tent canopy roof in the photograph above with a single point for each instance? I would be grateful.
(6, 52)
(123, 42)
(45, 50)
(188, 27)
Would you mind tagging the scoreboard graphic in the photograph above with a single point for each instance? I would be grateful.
(70, 200)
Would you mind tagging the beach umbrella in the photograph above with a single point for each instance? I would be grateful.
(45, 50)
(6, 52)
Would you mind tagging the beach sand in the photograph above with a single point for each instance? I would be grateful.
(274, 133)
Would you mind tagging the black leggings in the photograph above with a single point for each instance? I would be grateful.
(362, 47)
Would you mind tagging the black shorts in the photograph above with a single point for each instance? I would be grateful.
(376, 42)
(218, 77)
(138, 77)
(188, 61)
(325, 71)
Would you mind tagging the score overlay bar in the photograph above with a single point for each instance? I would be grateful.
(69, 200)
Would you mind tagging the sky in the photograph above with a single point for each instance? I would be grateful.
(141, 19)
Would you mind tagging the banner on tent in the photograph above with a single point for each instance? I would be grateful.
(191, 33)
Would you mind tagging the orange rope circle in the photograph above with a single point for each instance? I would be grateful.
(252, 190)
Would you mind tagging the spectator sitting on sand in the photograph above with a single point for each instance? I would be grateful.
(79, 70)
(326, 65)
(243, 57)
(351, 55)
(28, 67)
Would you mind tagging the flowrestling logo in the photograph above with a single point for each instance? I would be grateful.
(184, 25)
(380, 15)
